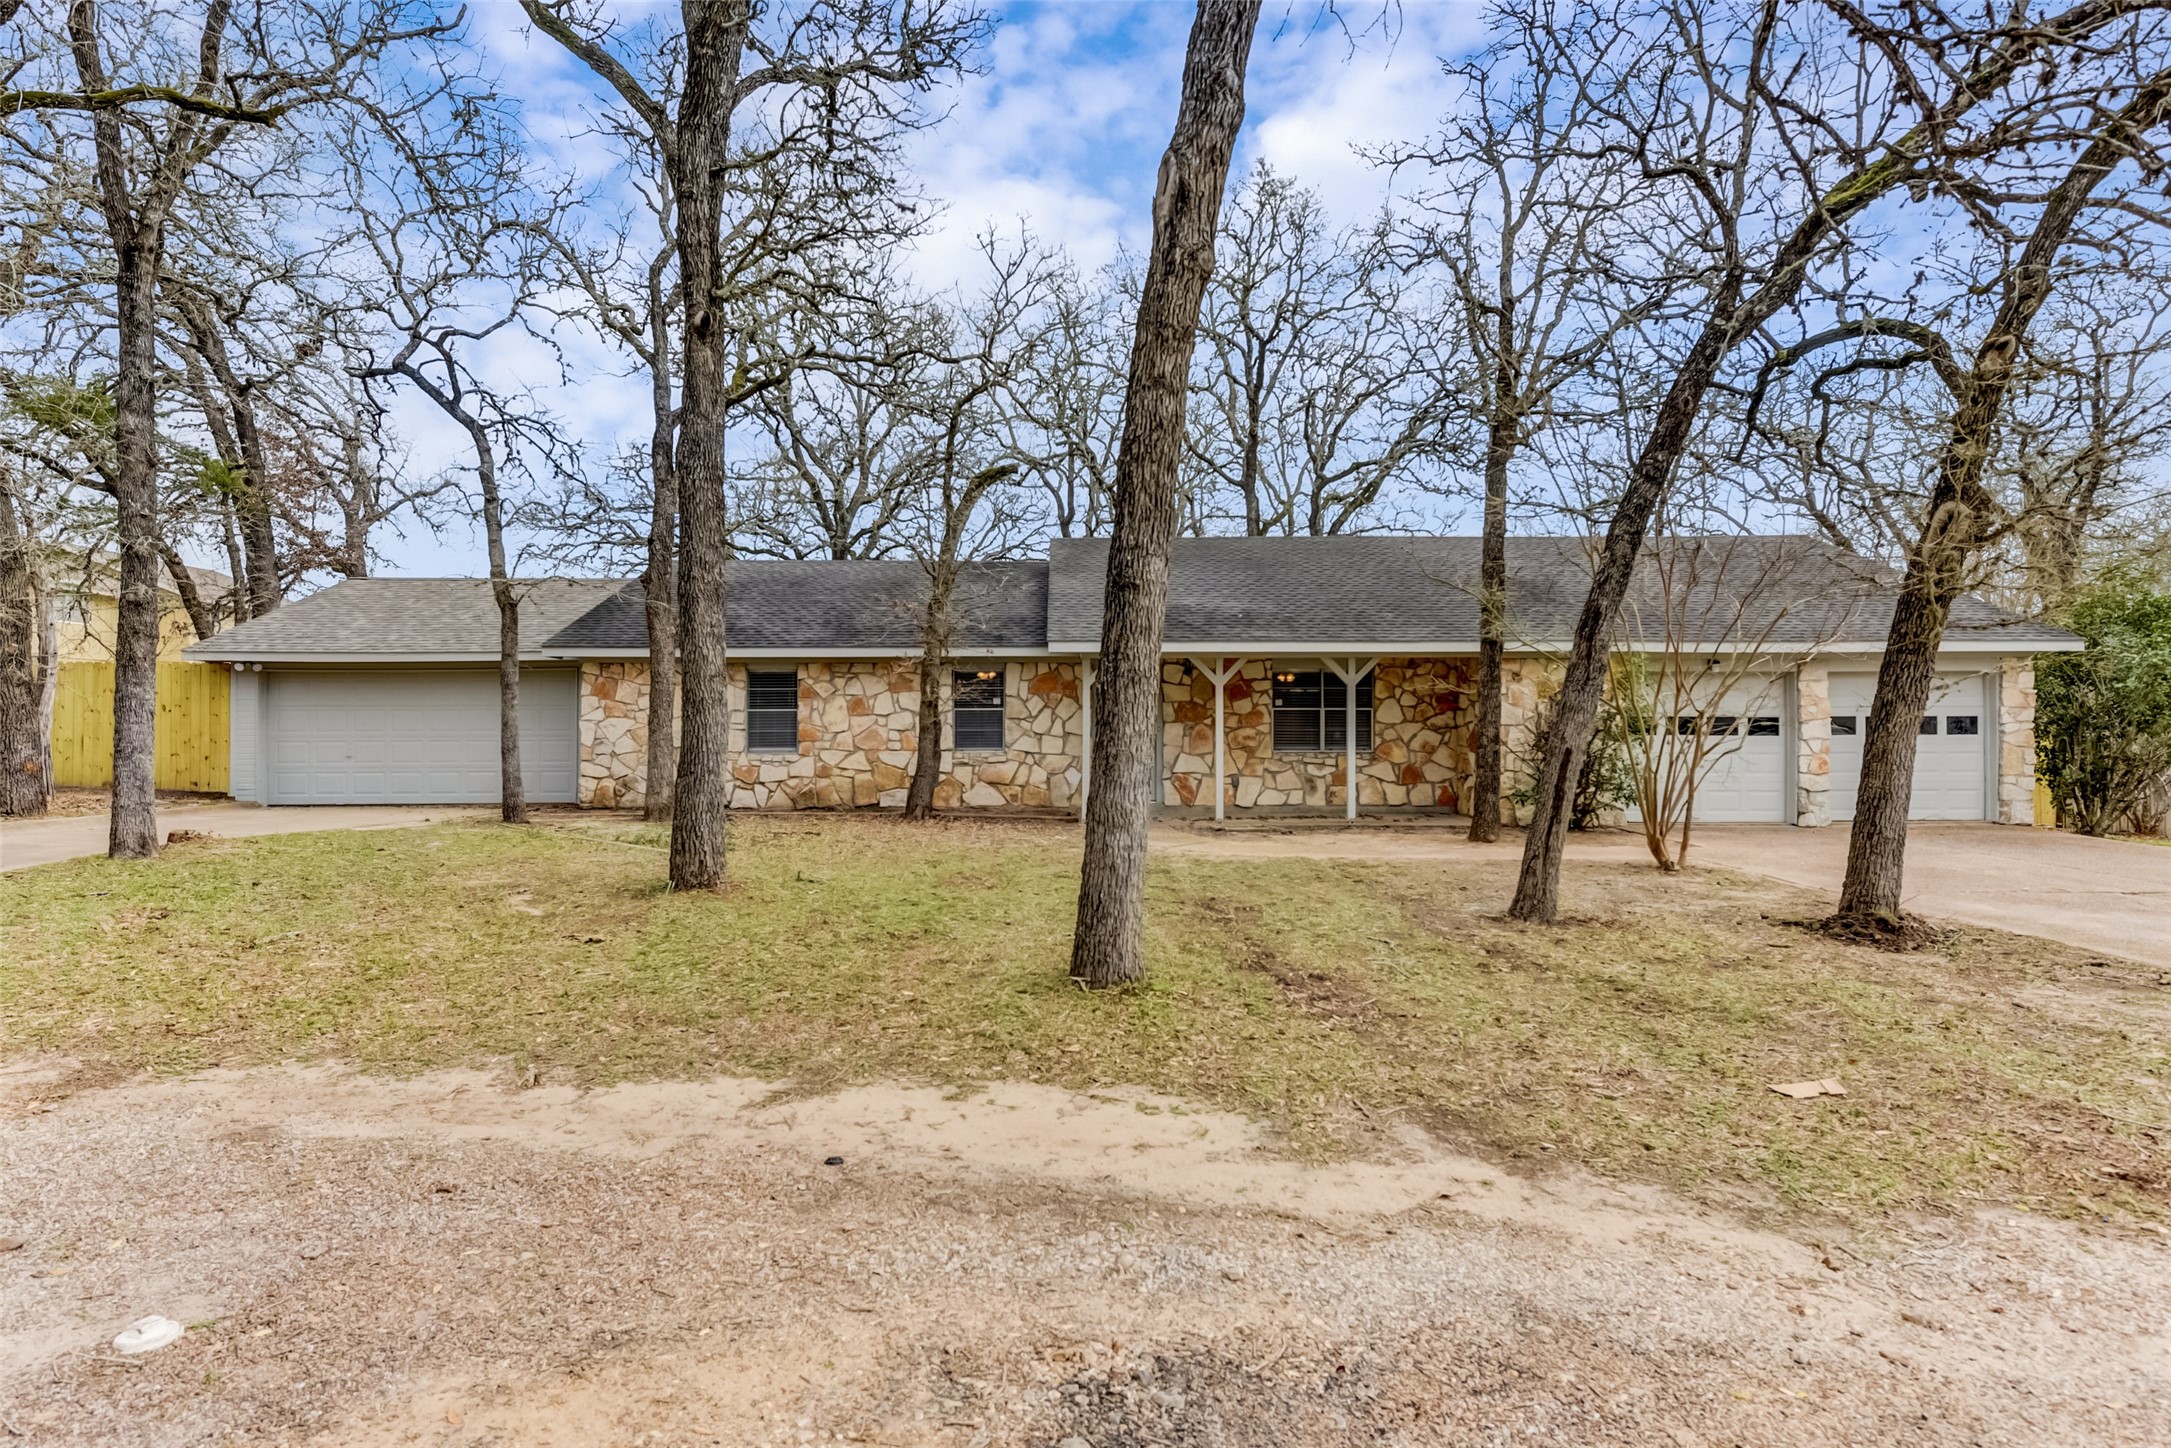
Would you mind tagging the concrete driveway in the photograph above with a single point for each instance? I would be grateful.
(2107, 895)
(2111, 896)
(24, 843)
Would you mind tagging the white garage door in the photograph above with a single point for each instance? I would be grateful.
(425, 737)
(1746, 773)
(1951, 758)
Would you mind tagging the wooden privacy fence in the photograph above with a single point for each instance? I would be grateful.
(192, 726)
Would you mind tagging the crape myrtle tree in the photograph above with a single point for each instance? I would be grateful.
(191, 91)
(1532, 216)
(1778, 127)
(1108, 947)
(835, 85)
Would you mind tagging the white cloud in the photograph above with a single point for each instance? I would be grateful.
(1063, 129)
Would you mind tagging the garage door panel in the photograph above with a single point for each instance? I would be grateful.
(1951, 761)
(1747, 773)
(415, 737)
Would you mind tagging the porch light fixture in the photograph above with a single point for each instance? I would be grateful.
(1285, 677)
(985, 674)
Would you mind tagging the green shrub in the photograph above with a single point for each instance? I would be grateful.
(2103, 716)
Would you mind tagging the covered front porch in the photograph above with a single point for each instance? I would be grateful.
(1285, 733)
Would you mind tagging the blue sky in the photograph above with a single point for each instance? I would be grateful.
(1063, 130)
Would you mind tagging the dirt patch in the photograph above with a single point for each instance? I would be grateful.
(446, 1260)
(71, 802)
(1902, 934)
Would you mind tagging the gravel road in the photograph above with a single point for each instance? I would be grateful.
(451, 1260)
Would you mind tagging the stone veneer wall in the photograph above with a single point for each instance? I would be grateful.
(1813, 745)
(857, 738)
(1423, 711)
(858, 731)
(2015, 682)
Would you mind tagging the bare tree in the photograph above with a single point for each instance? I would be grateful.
(1311, 396)
(1700, 645)
(1754, 111)
(996, 330)
(1533, 219)
(1962, 515)
(2084, 434)
(136, 200)
(1066, 412)
(1109, 947)
(845, 461)
(148, 138)
(454, 238)
(832, 85)
(26, 782)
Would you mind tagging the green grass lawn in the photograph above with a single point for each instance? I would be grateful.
(1328, 999)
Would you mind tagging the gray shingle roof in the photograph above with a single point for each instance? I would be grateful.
(411, 617)
(824, 607)
(1383, 592)
(841, 605)
(1368, 594)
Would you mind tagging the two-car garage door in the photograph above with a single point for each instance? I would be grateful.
(366, 736)
(1750, 769)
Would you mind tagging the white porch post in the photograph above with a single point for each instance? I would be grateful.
(1350, 670)
(1349, 737)
(1085, 756)
(1220, 769)
(1219, 674)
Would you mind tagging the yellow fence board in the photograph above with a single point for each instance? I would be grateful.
(193, 726)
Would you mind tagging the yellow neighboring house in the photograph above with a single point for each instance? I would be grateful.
(86, 608)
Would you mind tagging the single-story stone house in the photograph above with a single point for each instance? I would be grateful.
(1291, 665)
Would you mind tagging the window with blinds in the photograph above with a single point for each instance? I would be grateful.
(772, 711)
(976, 709)
(1311, 711)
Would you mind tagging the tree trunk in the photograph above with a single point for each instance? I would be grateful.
(132, 829)
(1575, 716)
(512, 790)
(25, 784)
(934, 656)
(927, 761)
(48, 680)
(203, 616)
(660, 581)
(716, 35)
(237, 592)
(1958, 522)
(252, 504)
(1492, 628)
(1109, 946)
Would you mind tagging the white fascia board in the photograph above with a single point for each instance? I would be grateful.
(818, 655)
(1968, 646)
(1179, 649)
(268, 656)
